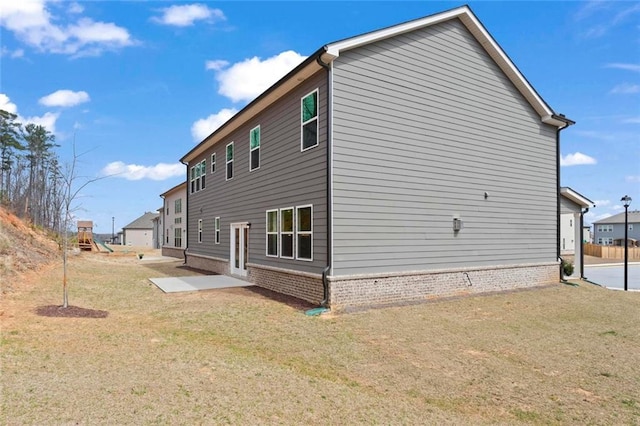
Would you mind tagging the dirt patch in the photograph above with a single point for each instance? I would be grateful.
(69, 312)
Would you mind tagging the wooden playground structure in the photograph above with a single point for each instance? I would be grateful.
(85, 235)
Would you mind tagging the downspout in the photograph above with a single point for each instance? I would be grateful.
(325, 272)
(558, 130)
(186, 219)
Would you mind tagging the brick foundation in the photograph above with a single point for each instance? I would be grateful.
(302, 285)
(353, 292)
(206, 263)
(173, 252)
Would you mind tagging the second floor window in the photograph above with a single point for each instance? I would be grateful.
(230, 161)
(177, 206)
(254, 148)
(198, 173)
(309, 121)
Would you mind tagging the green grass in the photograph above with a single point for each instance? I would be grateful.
(556, 355)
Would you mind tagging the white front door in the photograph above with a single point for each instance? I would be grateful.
(239, 248)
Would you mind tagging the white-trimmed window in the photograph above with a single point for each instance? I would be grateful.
(217, 228)
(605, 228)
(167, 234)
(304, 232)
(199, 230)
(177, 220)
(309, 121)
(177, 237)
(229, 162)
(213, 163)
(286, 233)
(198, 173)
(254, 148)
(177, 206)
(272, 233)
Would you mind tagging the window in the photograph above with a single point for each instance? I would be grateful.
(605, 228)
(177, 237)
(230, 161)
(213, 163)
(286, 233)
(199, 230)
(254, 148)
(203, 171)
(304, 232)
(309, 120)
(178, 205)
(217, 228)
(570, 223)
(272, 233)
(167, 234)
(177, 220)
(198, 176)
(630, 227)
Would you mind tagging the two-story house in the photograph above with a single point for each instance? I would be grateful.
(174, 212)
(610, 230)
(406, 163)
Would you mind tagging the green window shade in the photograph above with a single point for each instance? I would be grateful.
(310, 107)
(272, 221)
(304, 219)
(229, 152)
(255, 138)
(287, 221)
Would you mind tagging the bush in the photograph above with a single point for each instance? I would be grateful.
(567, 268)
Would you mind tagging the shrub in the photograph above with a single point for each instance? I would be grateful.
(567, 268)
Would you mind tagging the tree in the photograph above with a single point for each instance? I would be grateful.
(39, 142)
(10, 131)
(71, 185)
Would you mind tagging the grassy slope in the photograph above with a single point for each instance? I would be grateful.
(561, 354)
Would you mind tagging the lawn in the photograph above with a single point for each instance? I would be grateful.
(556, 355)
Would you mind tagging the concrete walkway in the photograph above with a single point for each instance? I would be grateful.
(206, 282)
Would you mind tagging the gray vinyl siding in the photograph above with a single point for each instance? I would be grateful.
(286, 178)
(568, 206)
(423, 125)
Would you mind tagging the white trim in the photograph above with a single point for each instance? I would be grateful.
(199, 230)
(267, 233)
(316, 118)
(216, 230)
(226, 161)
(293, 233)
(244, 227)
(330, 171)
(572, 195)
(310, 232)
(258, 148)
(213, 163)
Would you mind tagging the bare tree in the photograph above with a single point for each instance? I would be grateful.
(71, 186)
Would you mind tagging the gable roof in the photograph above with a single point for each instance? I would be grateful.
(178, 187)
(143, 222)
(576, 197)
(328, 53)
(634, 217)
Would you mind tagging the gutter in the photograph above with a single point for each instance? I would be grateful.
(186, 218)
(582, 213)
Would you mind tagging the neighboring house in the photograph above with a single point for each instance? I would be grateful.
(573, 206)
(406, 163)
(610, 231)
(139, 233)
(587, 236)
(175, 222)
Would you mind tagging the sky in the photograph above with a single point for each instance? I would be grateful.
(132, 86)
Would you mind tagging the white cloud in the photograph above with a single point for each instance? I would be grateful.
(186, 15)
(7, 105)
(633, 179)
(205, 126)
(75, 8)
(48, 120)
(64, 98)
(626, 89)
(33, 23)
(632, 120)
(160, 171)
(602, 203)
(577, 159)
(628, 67)
(18, 53)
(216, 65)
(245, 80)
